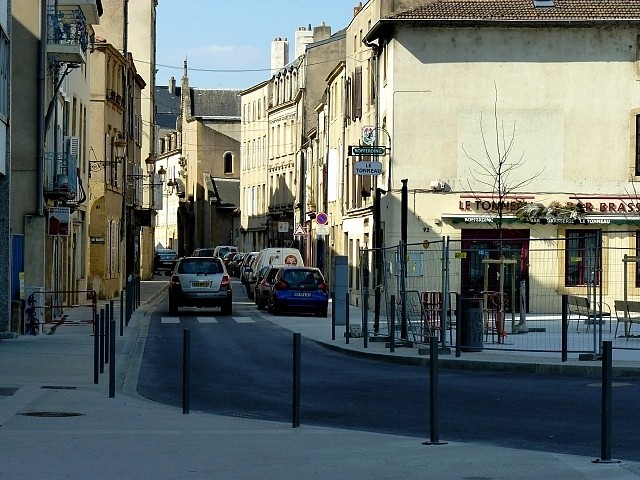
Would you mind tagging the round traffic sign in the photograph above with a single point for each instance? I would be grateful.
(322, 218)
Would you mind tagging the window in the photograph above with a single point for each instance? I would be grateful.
(582, 257)
(228, 163)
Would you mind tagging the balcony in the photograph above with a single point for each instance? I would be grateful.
(90, 8)
(67, 36)
(61, 176)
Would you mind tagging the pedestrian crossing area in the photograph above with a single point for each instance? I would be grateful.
(206, 320)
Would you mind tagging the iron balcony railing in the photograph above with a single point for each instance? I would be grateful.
(61, 175)
(67, 26)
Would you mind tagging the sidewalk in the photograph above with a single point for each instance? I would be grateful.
(78, 432)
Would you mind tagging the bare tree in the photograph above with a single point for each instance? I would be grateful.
(498, 172)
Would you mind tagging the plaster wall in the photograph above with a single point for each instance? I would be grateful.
(563, 99)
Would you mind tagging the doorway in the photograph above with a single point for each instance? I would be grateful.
(481, 245)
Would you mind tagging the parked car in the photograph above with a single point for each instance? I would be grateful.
(200, 282)
(299, 289)
(222, 250)
(246, 266)
(264, 282)
(227, 258)
(164, 260)
(203, 252)
(234, 265)
(274, 256)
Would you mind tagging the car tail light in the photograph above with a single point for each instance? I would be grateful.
(175, 281)
(280, 285)
(225, 281)
(323, 287)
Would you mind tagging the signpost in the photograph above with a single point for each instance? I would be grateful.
(367, 150)
(368, 168)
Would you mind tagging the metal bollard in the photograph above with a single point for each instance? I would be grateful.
(392, 333)
(365, 319)
(605, 421)
(112, 358)
(295, 410)
(101, 333)
(333, 315)
(96, 349)
(107, 333)
(121, 312)
(434, 435)
(347, 332)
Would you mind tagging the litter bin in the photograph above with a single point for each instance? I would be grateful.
(471, 325)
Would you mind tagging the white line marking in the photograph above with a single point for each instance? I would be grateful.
(207, 320)
(243, 320)
(170, 320)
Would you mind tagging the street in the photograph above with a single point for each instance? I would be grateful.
(241, 366)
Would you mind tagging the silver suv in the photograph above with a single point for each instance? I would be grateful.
(200, 282)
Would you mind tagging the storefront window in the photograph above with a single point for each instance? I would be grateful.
(582, 257)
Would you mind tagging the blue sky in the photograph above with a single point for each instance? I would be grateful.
(228, 44)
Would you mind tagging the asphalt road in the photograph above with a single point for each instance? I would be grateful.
(242, 366)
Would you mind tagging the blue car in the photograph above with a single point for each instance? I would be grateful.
(299, 289)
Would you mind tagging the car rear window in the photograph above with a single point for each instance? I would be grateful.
(302, 278)
(200, 266)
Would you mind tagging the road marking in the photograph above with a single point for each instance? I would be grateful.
(243, 319)
(170, 320)
(207, 320)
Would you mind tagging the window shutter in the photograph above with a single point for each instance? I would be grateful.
(357, 93)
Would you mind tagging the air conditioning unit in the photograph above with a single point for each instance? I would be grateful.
(437, 185)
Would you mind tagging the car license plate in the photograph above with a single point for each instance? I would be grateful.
(199, 284)
(301, 294)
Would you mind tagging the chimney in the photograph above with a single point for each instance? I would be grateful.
(357, 9)
(279, 54)
(303, 38)
(321, 32)
(172, 86)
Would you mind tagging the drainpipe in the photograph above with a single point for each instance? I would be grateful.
(42, 68)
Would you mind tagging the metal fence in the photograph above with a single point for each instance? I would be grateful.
(510, 291)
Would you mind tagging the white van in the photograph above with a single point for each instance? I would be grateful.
(276, 256)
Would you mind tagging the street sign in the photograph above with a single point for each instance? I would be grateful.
(367, 150)
(322, 218)
(323, 230)
(283, 227)
(368, 168)
(369, 135)
(300, 230)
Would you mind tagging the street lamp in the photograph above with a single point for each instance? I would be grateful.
(120, 146)
(120, 150)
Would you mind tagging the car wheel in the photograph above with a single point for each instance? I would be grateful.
(274, 309)
(261, 303)
(173, 306)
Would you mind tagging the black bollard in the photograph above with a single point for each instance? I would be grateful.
(121, 312)
(392, 326)
(101, 333)
(347, 333)
(565, 327)
(96, 349)
(433, 393)
(186, 367)
(605, 420)
(295, 410)
(333, 315)
(112, 358)
(107, 333)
